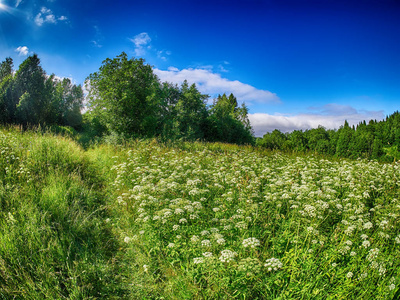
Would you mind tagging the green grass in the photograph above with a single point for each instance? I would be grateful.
(54, 242)
(192, 221)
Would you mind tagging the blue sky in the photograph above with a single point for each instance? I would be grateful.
(296, 64)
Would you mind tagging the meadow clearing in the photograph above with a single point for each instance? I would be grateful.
(193, 221)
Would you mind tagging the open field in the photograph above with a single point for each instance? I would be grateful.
(193, 221)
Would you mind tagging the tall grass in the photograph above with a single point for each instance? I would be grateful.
(54, 242)
(225, 222)
(192, 221)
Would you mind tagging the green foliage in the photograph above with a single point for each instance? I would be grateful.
(183, 112)
(275, 140)
(191, 112)
(123, 95)
(30, 97)
(228, 122)
(126, 98)
(375, 140)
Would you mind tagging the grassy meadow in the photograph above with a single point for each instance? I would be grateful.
(193, 221)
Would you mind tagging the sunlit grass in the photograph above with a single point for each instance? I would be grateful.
(230, 222)
(192, 221)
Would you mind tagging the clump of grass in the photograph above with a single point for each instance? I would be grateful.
(54, 242)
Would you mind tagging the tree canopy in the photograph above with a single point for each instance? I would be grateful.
(30, 97)
(127, 98)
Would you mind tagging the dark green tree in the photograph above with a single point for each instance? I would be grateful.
(6, 68)
(297, 141)
(123, 94)
(29, 95)
(6, 84)
(228, 122)
(68, 98)
(318, 140)
(345, 134)
(274, 140)
(190, 113)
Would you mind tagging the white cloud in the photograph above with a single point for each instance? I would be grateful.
(213, 84)
(330, 116)
(141, 39)
(144, 47)
(50, 19)
(17, 3)
(46, 16)
(142, 42)
(22, 50)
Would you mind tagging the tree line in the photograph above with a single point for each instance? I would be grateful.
(375, 140)
(29, 97)
(125, 98)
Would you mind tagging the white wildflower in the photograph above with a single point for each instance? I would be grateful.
(241, 225)
(273, 264)
(368, 225)
(194, 239)
(397, 239)
(207, 254)
(227, 256)
(251, 242)
(206, 243)
(198, 260)
(179, 211)
(372, 254)
(221, 241)
(366, 244)
(227, 227)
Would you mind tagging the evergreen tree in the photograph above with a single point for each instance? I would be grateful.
(345, 135)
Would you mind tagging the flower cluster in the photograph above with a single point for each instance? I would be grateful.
(273, 264)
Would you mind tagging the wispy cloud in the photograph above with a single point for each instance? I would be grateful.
(331, 116)
(144, 47)
(213, 84)
(46, 16)
(142, 43)
(98, 37)
(17, 3)
(22, 50)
